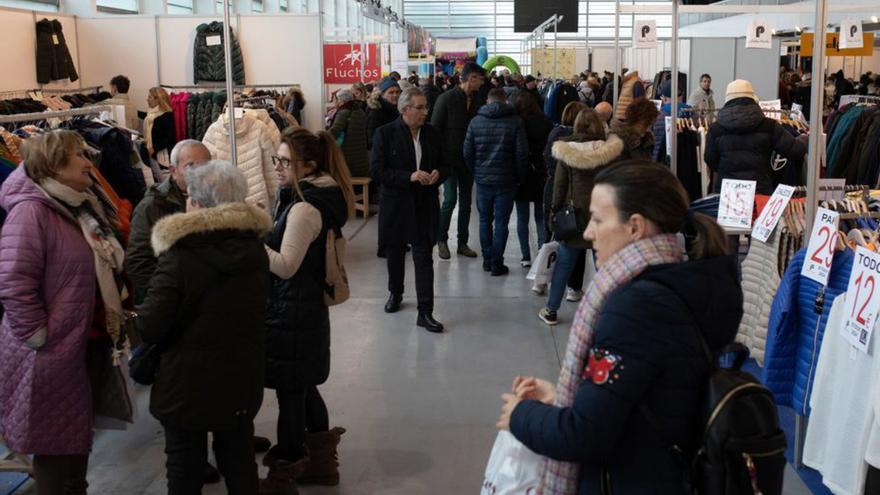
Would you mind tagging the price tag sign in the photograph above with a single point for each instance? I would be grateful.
(213, 40)
(737, 203)
(770, 215)
(238, 112)
(862, 299)
(820, 250)
(55, 40)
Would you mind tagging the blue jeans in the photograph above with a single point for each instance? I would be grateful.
(522, 225)
(495, 204)
(566, 260)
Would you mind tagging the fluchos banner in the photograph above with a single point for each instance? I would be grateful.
(345, 63)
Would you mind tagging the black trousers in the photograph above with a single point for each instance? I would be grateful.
(422, 254)
(576, 279)
(299, 411)
(61, 474)
(186, 451)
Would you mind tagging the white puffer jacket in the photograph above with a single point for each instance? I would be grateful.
(255, 150)
(760, 279)
(262, 115)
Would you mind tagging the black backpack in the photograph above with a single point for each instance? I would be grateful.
(741, 448)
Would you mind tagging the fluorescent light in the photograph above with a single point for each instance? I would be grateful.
(874, 18)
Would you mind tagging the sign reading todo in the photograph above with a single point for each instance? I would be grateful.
(770, 215)
(851, 35)
(862, 299)
(760, 35)
(820, 250)
(737, 203)
(645, 34)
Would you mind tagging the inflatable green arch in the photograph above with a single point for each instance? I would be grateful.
(496, 60)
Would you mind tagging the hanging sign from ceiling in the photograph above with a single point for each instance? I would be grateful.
(851, 35)
(833, 48)
(346, 63)
(759, 35)
(645, 34)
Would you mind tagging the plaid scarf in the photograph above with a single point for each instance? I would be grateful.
(561, 478)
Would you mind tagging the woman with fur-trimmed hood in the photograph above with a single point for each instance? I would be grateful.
(206, 306)
(579, 158)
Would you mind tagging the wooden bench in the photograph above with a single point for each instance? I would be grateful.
(362, 198)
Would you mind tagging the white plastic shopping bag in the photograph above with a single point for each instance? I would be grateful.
(542, 269)
(512, 468)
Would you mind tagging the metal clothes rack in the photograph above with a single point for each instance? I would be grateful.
(51, 91)
(36, 116)
(212, 87)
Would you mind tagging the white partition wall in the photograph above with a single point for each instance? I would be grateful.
(713, 56)
(761, 67)
(176, 37)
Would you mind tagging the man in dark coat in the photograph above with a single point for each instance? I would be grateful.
(454, 110)
(206, 306)
(741, 140)
(408, 164)
(496, 151)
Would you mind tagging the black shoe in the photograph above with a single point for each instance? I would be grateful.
(500, 270)
(427, 321)
(393, 304)
(261, 444)
(487, 266)
(210, 475)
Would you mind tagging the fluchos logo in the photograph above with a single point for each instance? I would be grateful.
(344, 63)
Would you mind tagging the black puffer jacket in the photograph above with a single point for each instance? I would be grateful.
(645, 351)
(496, 149)
(53, 58)
(741, 140)
(297, 320)
(209, 59)
(207, 301)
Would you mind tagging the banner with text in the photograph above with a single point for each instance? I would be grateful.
(345, 63)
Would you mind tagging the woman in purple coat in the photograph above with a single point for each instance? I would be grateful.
(58, 255)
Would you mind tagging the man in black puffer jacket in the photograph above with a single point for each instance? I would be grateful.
(496, 152)
(740, 142)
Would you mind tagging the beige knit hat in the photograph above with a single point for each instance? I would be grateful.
(740, 89)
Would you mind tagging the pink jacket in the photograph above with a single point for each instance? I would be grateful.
(47, 288)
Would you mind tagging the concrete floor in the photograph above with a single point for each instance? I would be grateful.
(420, 409)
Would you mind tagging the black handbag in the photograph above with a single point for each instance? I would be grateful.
(568, 222)
(144, 363)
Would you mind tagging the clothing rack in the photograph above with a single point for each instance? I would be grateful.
(74, 112)
(235, 86)
(847, 99)
(52, 91)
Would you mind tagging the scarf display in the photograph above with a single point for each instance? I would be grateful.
(89, 212)
(561, 478)
(152, 114)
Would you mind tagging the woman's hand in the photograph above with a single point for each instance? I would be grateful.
(531, 388)
(510, 403)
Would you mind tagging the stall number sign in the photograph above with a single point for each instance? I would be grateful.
(820, 250)
(771, 213)
(737, 203)
(862, 299)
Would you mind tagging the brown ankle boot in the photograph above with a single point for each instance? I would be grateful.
(322, 465)
(282, 478)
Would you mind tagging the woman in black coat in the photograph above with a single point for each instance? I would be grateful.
(206, 303)
(538, 128)
(651, 309)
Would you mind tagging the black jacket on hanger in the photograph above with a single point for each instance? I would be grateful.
(209, 60)
(53, 57)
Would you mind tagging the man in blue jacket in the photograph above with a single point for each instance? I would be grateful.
(496, 152)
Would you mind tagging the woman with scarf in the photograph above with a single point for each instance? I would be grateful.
(159, 127)
(61, 287)
(634, 343)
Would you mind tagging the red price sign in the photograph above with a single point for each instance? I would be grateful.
(771, 213)
(820, 250)
(862, 299)
(737, 203)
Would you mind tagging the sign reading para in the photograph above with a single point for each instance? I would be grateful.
(770, 215)
(820, 250)
(346, 63)
(737, 203)
(851, 35)
(645, 34)
(760, 35)
(862, 299)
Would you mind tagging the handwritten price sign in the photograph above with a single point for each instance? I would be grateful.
(737, 203)
(820, 250)
(771, 213)
(862, 299)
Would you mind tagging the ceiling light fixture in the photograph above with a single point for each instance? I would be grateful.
(874, 18)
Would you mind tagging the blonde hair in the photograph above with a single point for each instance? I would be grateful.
(46, 154)
(322, 150)
(162, 98)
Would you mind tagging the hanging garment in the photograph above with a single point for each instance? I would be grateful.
(843, 421)
(795, 330)
(760, 279)
(208, 56)
(178, 106)
(116, 162)
(53, 58)
(836, 141)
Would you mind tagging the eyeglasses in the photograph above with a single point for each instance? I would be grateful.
(421, 108)
(280, 160)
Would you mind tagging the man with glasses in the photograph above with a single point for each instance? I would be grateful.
(408, 164)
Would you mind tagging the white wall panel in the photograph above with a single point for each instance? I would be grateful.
(176, 37)
(18, 37)
(716, 57)
(761, 67)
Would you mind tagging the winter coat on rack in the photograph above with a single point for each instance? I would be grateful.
(53, 58)
(116, 158)
(538, 128)
(207, 300)
(209, 59)
(379, 113)
(297, 319)
(262, 115)
(560, 96)
(795, 331)
(47, 280)
(352, 121)
(760, 279)
(255, 151)
(630, 89)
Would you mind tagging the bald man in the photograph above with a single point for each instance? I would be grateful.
(605, 111)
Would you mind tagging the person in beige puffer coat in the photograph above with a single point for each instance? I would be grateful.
(255, 147)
